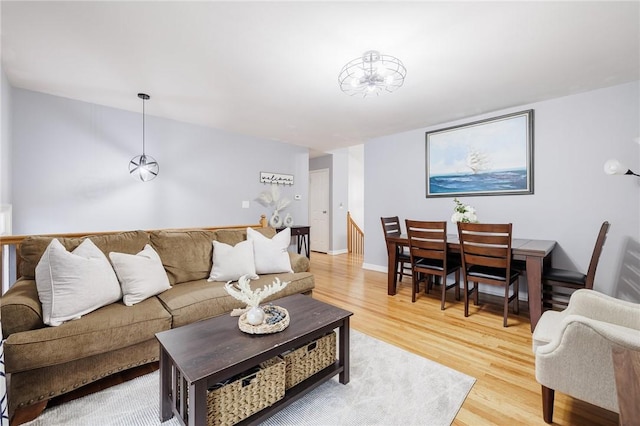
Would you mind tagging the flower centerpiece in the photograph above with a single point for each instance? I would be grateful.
(463, 213)
(242, 291)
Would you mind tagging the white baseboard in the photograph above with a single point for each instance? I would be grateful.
(373, 267)
(337, 252)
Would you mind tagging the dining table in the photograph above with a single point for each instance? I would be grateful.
(536, 255)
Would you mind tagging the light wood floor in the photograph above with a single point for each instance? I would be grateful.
(505, 393)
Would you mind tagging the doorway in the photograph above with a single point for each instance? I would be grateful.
(319, 207)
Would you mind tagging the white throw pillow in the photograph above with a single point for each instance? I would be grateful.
(73, 284)
(141, 275)
(271, 254)
(232, 262)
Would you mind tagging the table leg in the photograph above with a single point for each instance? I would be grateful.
(198, 404)
(302, 241)
(391, 268)
(165, 386)
(534, 282)
(344, 352)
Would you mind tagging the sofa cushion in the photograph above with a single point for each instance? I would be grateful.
(232, 262)
(234, 236)
(141, 275)
(32, 248)
(271, 255)
(186, 255)
(109, 328)
(72, 284)
(197, 300)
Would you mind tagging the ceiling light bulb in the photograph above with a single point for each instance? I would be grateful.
(355, 82)
(388, 79)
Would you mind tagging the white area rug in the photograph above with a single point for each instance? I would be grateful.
(388, 386)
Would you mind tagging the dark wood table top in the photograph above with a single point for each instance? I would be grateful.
(217, 345)
(519, 246)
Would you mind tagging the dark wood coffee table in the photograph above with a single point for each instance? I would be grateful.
(207, 352)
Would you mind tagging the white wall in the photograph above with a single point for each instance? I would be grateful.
(70, 170)
(356, 183)
(5, 139)
(574, 136)
(339, 200)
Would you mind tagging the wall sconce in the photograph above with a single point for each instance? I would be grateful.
(614, 167)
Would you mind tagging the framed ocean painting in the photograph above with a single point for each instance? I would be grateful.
(488, 157)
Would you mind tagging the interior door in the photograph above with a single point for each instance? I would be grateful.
(319, 210)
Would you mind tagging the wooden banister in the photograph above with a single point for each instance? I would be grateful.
(16, 240)
(355, 237)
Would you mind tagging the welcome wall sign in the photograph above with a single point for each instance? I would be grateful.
(276, 178)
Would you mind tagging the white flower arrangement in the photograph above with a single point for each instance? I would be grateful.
(463, 213)
(243, 292)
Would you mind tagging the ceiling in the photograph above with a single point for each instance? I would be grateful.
(269, 69)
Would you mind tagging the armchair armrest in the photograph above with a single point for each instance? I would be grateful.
(599, 306)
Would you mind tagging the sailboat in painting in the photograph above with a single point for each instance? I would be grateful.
(477, 161)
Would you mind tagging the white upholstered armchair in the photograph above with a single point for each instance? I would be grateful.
(573, 348)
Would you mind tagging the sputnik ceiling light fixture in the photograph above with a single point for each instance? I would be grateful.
(143, 167)
(371, 74)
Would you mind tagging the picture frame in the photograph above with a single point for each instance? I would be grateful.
(487, 157)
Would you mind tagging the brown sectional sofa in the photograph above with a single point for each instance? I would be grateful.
(43, 362)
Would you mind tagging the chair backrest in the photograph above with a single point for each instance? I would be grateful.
(427, 240)
(595, 257)
(391, 227)
(485, 244)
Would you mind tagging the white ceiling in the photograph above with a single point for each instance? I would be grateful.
(269, 69)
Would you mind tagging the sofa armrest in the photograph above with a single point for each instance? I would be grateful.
(20, 308)
(299, 263)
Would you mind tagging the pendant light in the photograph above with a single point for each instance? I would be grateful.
(143, 167)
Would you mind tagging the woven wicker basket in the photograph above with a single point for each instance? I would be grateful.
(264, 328)
(306, 361)
(247, 395)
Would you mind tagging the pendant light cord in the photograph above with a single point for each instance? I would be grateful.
(143, 126)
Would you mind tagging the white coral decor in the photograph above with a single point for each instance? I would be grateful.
(243, 292)
(463, 213)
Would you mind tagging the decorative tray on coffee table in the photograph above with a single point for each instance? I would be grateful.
(276, 319)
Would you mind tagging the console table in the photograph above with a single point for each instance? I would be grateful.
(302, 237)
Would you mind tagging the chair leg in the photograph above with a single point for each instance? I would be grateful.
(457, 284)
(506, 305)
(516, 289)
(415, 283)
(466, 298)
(547, 404)
(476, 295)
(443, 291)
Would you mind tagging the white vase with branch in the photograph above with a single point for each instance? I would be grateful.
(272, 198)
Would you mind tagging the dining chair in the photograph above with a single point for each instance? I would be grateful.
(391, 227)
(559, 284)
(486, 258)
(430, 257)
